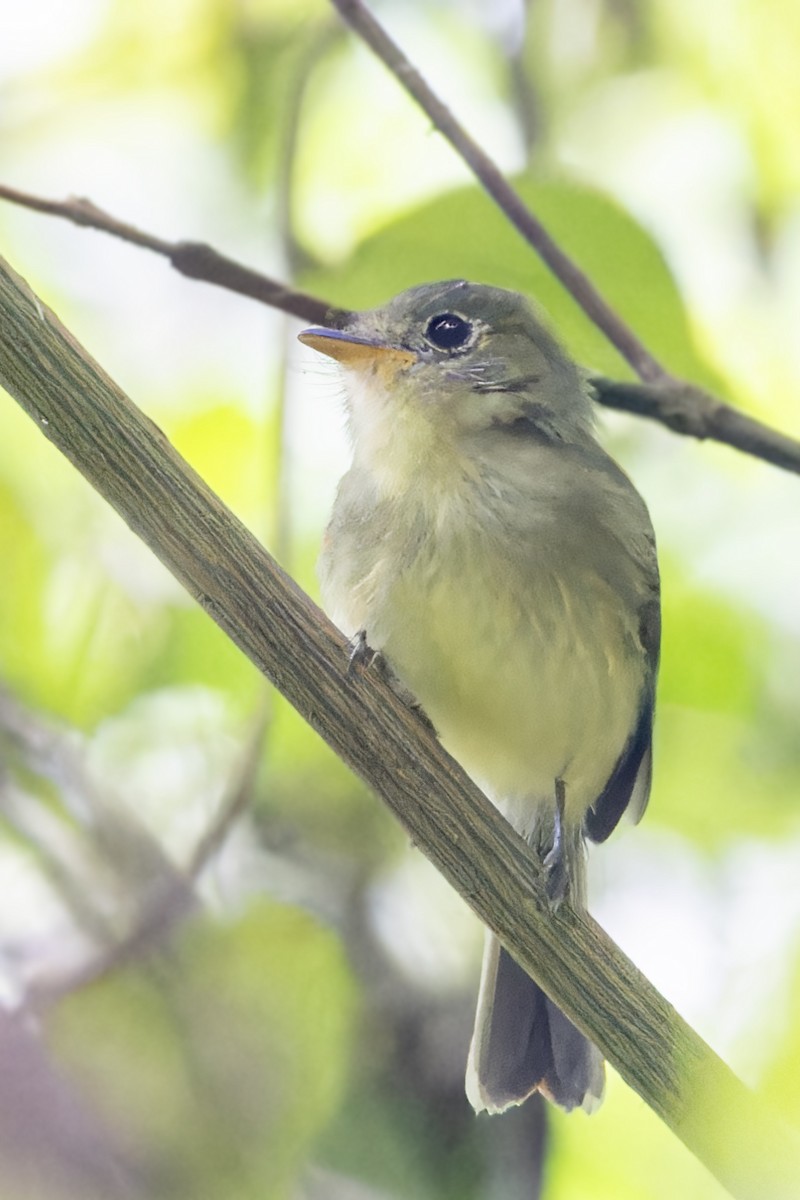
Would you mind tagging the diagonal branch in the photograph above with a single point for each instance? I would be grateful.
(360, 19)
(680, 406)
(126, 458)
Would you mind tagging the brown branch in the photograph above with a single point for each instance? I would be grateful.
(197, 260)
(691, 411)
(128, 460)
(578, 284)
(680, 406)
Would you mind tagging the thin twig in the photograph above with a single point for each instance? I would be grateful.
(361, 20)
(679, 405)
(173, 898)
(197, 260)
(671, 402)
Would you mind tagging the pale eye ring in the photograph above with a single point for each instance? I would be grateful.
(448, 331)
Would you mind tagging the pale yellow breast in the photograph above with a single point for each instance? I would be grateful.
(527, 677)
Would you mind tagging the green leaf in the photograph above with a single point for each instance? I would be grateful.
(464, 235)
(227, 448)
(713, 652)
(723, 763)
(783, 1030)
(189, 648)
(718, 776)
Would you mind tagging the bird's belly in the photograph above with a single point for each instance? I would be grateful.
(525, 686)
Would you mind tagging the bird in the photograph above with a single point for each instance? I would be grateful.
(504, 566)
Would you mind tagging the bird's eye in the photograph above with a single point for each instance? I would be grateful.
(448, 331)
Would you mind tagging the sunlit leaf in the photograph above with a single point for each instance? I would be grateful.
(752, 74)
(718, 776)
(227, 448)
(464, 235)
(711, 651)
(190, 648)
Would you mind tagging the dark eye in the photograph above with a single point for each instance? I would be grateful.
(448, 331)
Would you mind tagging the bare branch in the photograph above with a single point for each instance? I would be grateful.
(128, 460)
(680, 406)
(690, 410)
(361, 20)
(197, 260)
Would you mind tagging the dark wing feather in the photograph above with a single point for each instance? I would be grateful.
(629, 783)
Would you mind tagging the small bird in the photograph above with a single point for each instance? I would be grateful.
(505, 568)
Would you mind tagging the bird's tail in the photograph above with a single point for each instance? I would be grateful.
(523, 1044)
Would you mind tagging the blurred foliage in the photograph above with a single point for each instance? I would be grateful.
(601, 1160)
(727, 60)
(780, 1083)
(303, 1034)
(238, 1044)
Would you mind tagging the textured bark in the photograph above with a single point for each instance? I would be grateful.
(131, 463)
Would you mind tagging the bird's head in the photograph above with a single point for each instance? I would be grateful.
(444, 368)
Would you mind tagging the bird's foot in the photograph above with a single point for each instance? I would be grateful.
(555, 861)
(556, 880)
(362, 655)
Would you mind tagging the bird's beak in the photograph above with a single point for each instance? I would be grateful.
(358, 352)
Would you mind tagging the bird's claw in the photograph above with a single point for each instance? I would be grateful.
(555, 861)
(362, 655)
(556, 882)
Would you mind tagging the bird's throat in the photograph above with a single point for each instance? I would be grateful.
(399, 441)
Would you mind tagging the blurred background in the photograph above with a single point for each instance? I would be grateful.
(223, 972)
